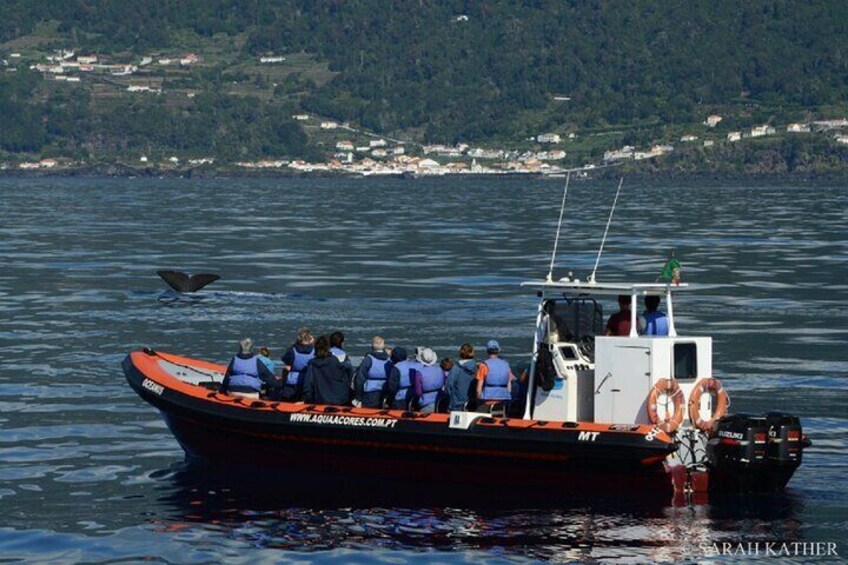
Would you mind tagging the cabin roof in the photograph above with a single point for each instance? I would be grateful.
(614, 288)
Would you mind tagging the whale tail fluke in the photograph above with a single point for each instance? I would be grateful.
(182, 282)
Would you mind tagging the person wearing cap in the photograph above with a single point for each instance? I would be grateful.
(326, 380)
(295, 360)
(401, 379)
(372, 375)
(461, 379)
(246, 373)
(494, 377)
(429, 381)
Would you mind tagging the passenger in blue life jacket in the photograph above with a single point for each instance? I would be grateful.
(326, 380)
(429, 381)
(461, 385)
(246, 374)
(295, 360)
(337, 345)
(401, 379)
(654, 321)
(494, 377)
(372, 375)
(265, 357)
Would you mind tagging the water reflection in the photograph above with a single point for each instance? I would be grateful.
(532, 523)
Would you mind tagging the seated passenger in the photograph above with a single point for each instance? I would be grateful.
(494, 377)
(336, 344)
(326, 380)
(429, 381)
(372, 375)
(460, 382)
(295, 360)
(619, 323)
(246, 374)
(401, 379)
(265, 357)
(654, 321)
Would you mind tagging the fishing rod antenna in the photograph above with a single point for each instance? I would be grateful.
(559, 227)
(606, 231)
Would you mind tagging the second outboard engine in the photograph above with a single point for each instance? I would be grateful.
(749, 453)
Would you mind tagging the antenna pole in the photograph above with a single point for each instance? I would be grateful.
(606, 230)
(559, 226)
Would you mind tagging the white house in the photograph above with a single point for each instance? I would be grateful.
(329, 125)
(549, 138)
(712, 120)
(798, 128)
(734, 136)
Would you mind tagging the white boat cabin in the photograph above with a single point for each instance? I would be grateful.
(586, 376)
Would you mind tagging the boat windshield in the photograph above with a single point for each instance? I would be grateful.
(576, 318)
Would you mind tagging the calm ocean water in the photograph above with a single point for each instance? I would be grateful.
(89, 473)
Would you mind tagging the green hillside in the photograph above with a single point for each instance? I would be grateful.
(489, 72)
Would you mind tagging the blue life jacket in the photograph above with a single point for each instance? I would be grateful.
(497, 380)
(405, 369)
(301, 360)
(432, 381)
(340, 353)
(376, 378)
(268, 363)
(246, 373)
(656, 323)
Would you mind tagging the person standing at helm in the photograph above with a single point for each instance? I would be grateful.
(655, 321)
(429, 381)
(246, 373)
(619, 323)
(494, 377)
(372, 375)
(295, 360)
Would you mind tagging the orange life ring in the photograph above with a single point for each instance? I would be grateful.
(712, 386)
(672, 420)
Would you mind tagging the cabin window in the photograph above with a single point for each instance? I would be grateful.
(685, 361)
(577, 318)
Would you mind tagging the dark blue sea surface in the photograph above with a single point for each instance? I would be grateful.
(89, 472)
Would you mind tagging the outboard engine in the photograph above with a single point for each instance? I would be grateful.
(748, 453)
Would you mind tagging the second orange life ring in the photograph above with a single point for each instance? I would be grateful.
(673, 418)
(722, 401)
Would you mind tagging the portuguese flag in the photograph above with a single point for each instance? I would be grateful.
(671, 271)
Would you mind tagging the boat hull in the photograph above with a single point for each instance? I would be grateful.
(217, 429)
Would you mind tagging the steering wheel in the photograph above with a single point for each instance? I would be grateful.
(587, 346)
